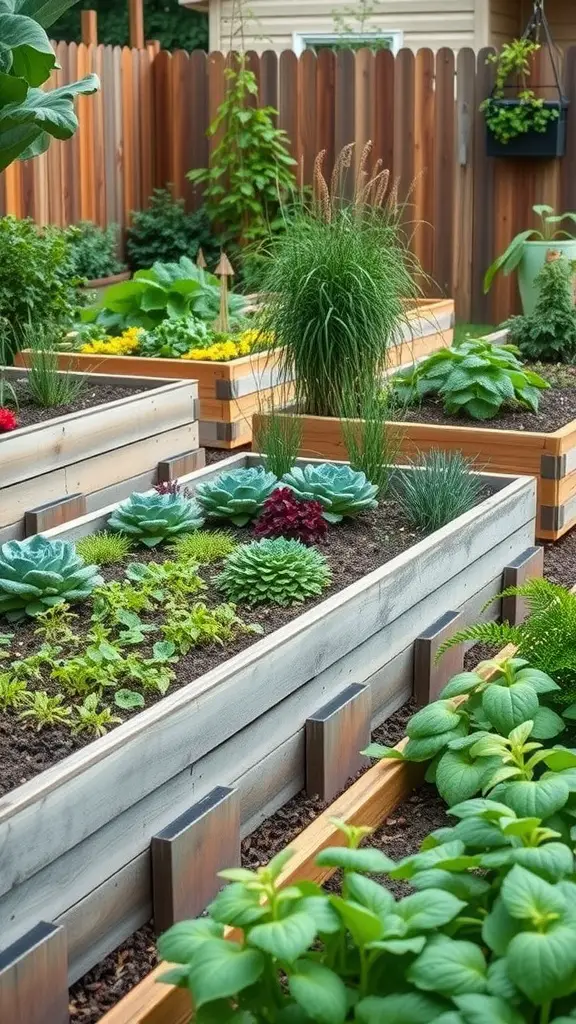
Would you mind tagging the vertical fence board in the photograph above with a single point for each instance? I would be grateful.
(567, 176)
(424, 150)
(117, 94)
(146, 125)
(269, 79)
(404, 99)
(325, 124)
(198, 124)
(444, 183)
(288, 100)
(307, 114)
(483, 221)
(464, 197)
(344, 117)
(384, 71)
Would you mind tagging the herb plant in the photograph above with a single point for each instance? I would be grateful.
(173, 338)
(37, 573)
(278, 438)
(372, 446)
(93, 250)
(54, 625)
(41, 710)
(153, 518)
(441, 486)
(472, 377)
(286, 515)
(507, 120)
(341, 490)
(550, 229)
(164, 232)
(236, 494)
(166, 581)
(199, 624)
(47, 385)
(92, 719)
(204, 546)
(11, 691)
(104, 548)
(549, 333)
(275, 571)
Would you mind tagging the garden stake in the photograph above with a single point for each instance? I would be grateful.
(223, 271)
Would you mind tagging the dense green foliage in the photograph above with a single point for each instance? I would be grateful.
(37, 573)
(204, 546)
(175, 27)
(171, 339)
(472, 377)
(103, 548)
(197, 624)
(275, 571)
(237, 494)
(528, 114)
(164, 232)
(153, 518)
(341, 490)
(549, 333)
(93, 250)
(441, 487)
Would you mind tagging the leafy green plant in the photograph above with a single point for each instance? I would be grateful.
(54, 625)
(549, 333)
(33, 667)
(46, 384)
(473, 377)
(164, 232)
(337, 280)
(278, 438)
(507, 118)
(81, 675)
(549, 230)
(441, 486)
(114, 598)
(104, 548)
(153, 518)
(166, 291)
(8, 394)
(341, 490)
(44, 710)
(30, 117)
(187, 628)
(204, 546)
(167, 581)
(92, 719)
(11, 691)
(251, 171)
(37, 573)
(371, 445)
(277, 571)
(94, 250)
(173, 338)
(236, 494)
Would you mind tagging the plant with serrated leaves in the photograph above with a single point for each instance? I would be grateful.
(236, 494)
(34, 667)
(114, 597)
(82, 675)
(93, 719)
(37, 573)
(474, 377)
(341, 490)
(277, 571)
(168, 581)
(11, 691)
(187, 628)
(42, 709)
(151, 519)
(104, 548)
(204, 546)
(54, 626)
(549, 332)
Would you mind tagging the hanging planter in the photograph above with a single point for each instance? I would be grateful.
(524, 125)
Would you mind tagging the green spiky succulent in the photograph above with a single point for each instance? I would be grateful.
(38, 573)
(237, 495)
(275, 571)
(153, 518)
(341, 491)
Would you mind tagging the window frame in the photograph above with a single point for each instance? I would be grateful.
(301, 40)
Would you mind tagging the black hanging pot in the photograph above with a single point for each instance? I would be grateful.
(548, 144)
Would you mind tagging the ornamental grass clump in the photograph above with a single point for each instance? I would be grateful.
(204, 546)
(285, 515)
(104, 548)
(275, 571)
(341, 491)
(440, 487)
(337, 280)
(237, 495)
(37, 573)
(153, 518)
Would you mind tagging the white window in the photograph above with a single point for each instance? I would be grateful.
(386, 39)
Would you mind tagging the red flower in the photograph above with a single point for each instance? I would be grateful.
(284, 515)
(8, 421)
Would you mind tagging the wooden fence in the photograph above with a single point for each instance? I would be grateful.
(148, 124)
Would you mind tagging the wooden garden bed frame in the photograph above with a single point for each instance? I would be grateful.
(61, 468)
(76, 839)
(548, 456)
(231, 393)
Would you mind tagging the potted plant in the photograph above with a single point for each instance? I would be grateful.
(524, 125)
(526, 253)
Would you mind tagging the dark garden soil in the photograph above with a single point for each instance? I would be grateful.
(217, 454)
(560, 560)
(557, 407)
(28, 413)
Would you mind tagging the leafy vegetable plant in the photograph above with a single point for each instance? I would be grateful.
(549, 333)
(43, 710)
(236, 494)
(441, 487)
(153, 518)
(187, 628)
(550, 222)
(172, 338)
(473, 377)
(286, 515)
(37, 573)
(275, 571)
(341, 490)
(171, 582)
(92, 719)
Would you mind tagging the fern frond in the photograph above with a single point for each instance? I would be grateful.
(497, 633)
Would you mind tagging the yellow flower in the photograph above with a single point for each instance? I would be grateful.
(126, 344)
(220, 352)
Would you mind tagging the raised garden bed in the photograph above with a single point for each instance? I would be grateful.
(120, 435)
(230, 393)
(76, 838)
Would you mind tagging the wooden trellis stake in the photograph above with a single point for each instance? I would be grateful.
(223, 271)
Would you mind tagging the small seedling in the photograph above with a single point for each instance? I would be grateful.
(91, 720)
(44, 710)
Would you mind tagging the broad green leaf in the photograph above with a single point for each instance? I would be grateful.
(128, 699)
(238, 875)
(429, 909)
(322, 913)
(559, 759)
(177, 976)
(465, 887)
(537, 799)
(547, 724)
(435, 718)
(509, 706)
(399, 947)
(275, 866)
(46, 12)
(500, 983)
(363, 925)
(450, 967)
(499, 928)
(381, 752)
(489, 809)
(457, 777)
(181, 941)
(32, 55)
(519, 826)
(427, 747)
(483, 1009)
(528, 897)
(540, 962)
(286, 939)
(538, 680)
(220, 969)
(369, 894)
(553, 861)
(237, 906)
(367, 861)
(570, 712)
(429, 858)
(510, 258)
(404, 1008)
(319, 992)
(464, 682)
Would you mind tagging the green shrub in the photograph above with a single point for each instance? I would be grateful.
(441, 486)
(472, 377)
(236, 494)
(94, 250)
(153, 518)
(36, 278)
(549, 333)
(164, 232)
(37, 573)
(341, 490)
(173, 338)
(275, 571)
(204, 546)
(104, 548)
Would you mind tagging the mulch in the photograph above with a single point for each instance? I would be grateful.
(28, 413)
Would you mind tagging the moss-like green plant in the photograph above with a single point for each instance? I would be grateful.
(104, 548)
(237, 495)
(153, 518)
(204, 546)
(275, 571)
(341, 491)
(37, 573)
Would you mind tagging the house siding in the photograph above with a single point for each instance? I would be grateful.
(508, 19)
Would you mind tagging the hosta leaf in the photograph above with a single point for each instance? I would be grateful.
(220, 969)
(537, 799)
(509, 706)
(551, 860)
(319, 992)
(450, 967)
(404, 1008)
(547, 724)
(286, 939)
(457, 777)
(499, 928)
(539, 962)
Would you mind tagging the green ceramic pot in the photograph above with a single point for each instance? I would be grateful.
(532, 261)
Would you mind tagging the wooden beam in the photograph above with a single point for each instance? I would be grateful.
(136, 22)
(54, 513)
(527, 566)
(34, 978)
(89, 27)
(430, 676)
(179, 465)
(335, 735)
